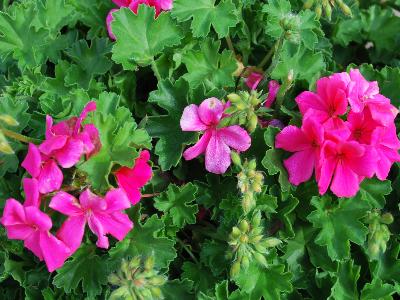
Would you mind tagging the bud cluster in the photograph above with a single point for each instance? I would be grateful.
(379, 233)
(6, 120)
(326, 7)
(137, 279)
(242, 109)
(247, 242)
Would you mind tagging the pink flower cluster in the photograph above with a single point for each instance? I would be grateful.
(64, 145)
(341, 145)
(159, 6)
(215, 142)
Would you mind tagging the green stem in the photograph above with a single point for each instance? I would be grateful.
(188, 251)
(266, 58)
(18, 137)
(155, 70)
(230, 45)
(277, 48)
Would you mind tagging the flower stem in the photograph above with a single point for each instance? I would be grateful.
(18, 137)
(155, 70)
(186, 248)
(230, 45)
(150, 195)
(266, 58)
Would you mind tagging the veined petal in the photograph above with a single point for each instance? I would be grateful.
(210, 111)
(300, 166)
(235, 137)
(218, 157)
(345, 183)
(199, 148)
(97, 228)
(37, 218)
(50, 178)
(52, 144)
(116, 200)
(292, 139)
(117, 224)
(66, 204)
(70, 154)
(190, 120)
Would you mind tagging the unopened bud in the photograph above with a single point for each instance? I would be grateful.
(236, 232)
(327, 9)
(308, 4)
(114, 279)
(260, 258)
(345, 9)
(256, 187)
(387, 218)
(235, 269)
(245, 262)
(255, 239)
(252, 166)
(256, 220)
(236, 158)
(234, 98)
(271, 242)
(318, 11)
(157, 280)
(239, 69)
(9, 120)
(244, 226)
(5, 148)
(252, 123)
(156, 292)
(149, 263)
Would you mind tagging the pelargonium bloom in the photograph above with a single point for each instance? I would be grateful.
(348, 162)
(306, 142)
(29, 224)
(273, 89)
(215, 142)
(253, 80)
(131, 180)
(68, 140)
(104, 216)
(44, 169)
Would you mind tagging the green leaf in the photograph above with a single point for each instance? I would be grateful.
(269, 283)
(387, 267)
(141, 37)
(273, 158)
(178, 201)
(345, 287)
(144, 240)
(285, 214)
(340, 223)
(202, 278)
(205, 13)
(210, 67)
(373, 191)
(212, 255)
(119, 138)
(173, 97)
(347, 30)
(306, 65)
(177, 289)
(377, 290)
(85, 267)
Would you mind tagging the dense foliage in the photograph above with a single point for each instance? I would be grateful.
(155, 149)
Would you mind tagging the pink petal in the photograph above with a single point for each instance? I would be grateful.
(70, 154)
(32, 161)
(210, 111)
(66, 204)
(165, 4)
(52, 144)
(116, 200)
(366, 165)
(190, 120)
(89, 107)
(71, 231)
(88, 200)
(97, 228)
(49, 125)
(199, 148)
(123, 3)
(90, 139)
(19, 232)
(307, 100)
(235, 137)
(273, 89)
(345, 183)
(383, 166)
(327, 166)
(117, 224)
(50, 178)
(55, 252)
(37, 218)
(109, 20)
(31, 188)
(253, 80)
(300, 166)
(292, 139)
(13, 214)
(218, 157)
(313, 130)
(383, 113)
(32, 242)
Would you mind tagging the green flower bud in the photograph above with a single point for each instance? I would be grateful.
(318, 11)
(156, 293)
(256, 187)
(157, 280)
(344, 8)
(244, 239)
(5, 148)
(327, 9)
(114, 279)
(308, 4)
(245, 262)
(387, 218)
(236, 158)
(248, 202)
(234, 98)
(244, 226)
(252, 123)
(252, 165)
(256, 220)
(236, 232)
(241, 105)
(260, 248)
(271, 242)
(149, 263)
(256, 238)
(235, 269)
(260, 259)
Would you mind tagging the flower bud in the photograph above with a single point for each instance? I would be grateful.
(236, 232)
(308, 4)
(252, 165)
(252, 123)
(9, 120)
(149, 263)
(5, 148)
(114, 279)
(157, 280)
(236, 158)
(245, 262)
(271, 242)
(387, 218)
(344, 8)
(256, 220)
(234, 98)
(156, 293)
(260, 258)
(244, 239)
(244, 226)
(255, 239)
(318, 11)
(327, 9)
(235, 269)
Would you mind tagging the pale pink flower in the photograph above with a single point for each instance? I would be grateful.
(273, 89)
(253, 80)
(215, 142)
(387, 145)
(104, 216)
(306, 142)
(348, 162)
(329, 102)
(29, 224)
(44, 169)
(131, 180)
(67, 141)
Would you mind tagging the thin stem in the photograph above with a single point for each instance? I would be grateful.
(18, 137)
(150, 195)
(230, 45)
(188, 251)
(266, 57)
(155, 70)
(277, 48)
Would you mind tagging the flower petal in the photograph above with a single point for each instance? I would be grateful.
(211, 110)
(55, 252)
(32, 242)
(50, 178)
(38, 218)
(309, 100)
(89, 200)
(52, 144)
(300, 166)
(235, 137)
(71, 231)
(116, 200)
(13, 214)
(190, 120)
(66, 204)
(31, 188)
(218, 157)
(292, 139)
(117, 224)
(345, 183)
(199, 148)
(97, 228)
(32, 161)
(70, 154)
(273, 89)
(253, 80)
(89, 107)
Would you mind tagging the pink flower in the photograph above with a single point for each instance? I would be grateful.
(31, 189)
(348, 162)
(387, 145)
(361, 126)
(306, 143)
(328, 103)
(273, 88)
(123, 3)
(131, 180)
(103, 216)
(29, 224)
(109, 19)
(44, 169)
(215, 142)
(253, 80)
(68, 140)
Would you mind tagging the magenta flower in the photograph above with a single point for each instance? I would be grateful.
(387, 145)
(31, 189)
(328, 103)
(361, 126)
(273, 89)
(215, 142)
(68, 140)
(103, 216)
(253, 80)
(348, 163)
(306, 142)
(44, 169)
(131, 180)
(29, 224)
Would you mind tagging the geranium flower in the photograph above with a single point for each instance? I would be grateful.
(29, 224)
(361, 126)
(44, 169)
(306, 142)
(215, 142)
(348, 162)
(68, 140)
(273, 89)
(253, 80)
(104, 216)
(131, 180)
